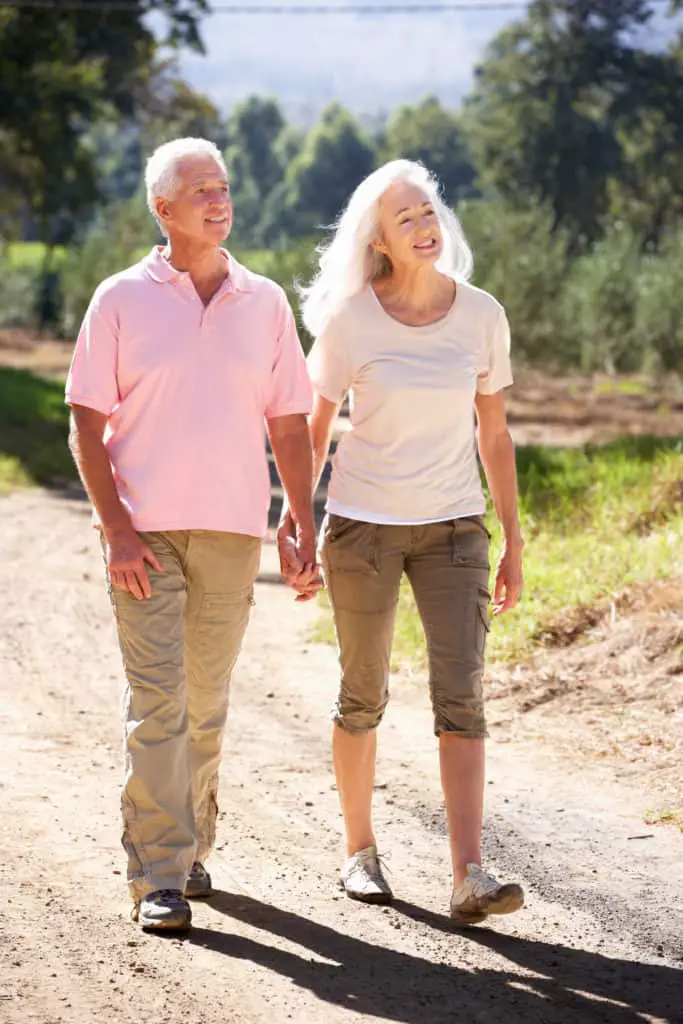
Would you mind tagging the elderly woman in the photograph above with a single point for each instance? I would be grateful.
(422, 354)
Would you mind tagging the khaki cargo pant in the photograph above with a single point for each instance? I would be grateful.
(447, 565)
(179, 648)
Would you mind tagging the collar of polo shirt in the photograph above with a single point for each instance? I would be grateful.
(160, 270)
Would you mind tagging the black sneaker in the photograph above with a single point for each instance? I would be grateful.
(198, 882)
(163, 910)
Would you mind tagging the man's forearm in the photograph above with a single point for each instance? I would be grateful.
(95, 470)
(294, 460)
(498, 458)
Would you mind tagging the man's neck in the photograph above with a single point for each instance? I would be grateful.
(206, 266)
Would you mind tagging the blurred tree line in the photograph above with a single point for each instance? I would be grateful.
(565, 164)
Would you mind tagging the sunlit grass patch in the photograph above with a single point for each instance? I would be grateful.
(34, 424)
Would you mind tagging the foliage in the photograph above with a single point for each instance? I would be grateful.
(659, 312)
(336, 156)
(570, 109)
(98, 65)
(432, 135)
(114, 242)
(521, 260)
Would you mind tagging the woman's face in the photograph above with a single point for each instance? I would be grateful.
(409, 230)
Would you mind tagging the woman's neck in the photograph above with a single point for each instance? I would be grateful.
(420, 292)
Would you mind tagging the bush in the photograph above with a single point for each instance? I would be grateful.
(601, 298)
(122, 235)
(659, 311)
(524, 263)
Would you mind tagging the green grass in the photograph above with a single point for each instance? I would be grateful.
(34, 425)
(595, 520)
(30, 255)
(628, 386)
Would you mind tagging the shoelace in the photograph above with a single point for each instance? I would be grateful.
(484, 883)
(369, 859)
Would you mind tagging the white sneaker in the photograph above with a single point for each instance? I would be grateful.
(362, 878)
(481, 894)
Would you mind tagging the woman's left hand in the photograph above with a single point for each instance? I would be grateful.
(509, 579)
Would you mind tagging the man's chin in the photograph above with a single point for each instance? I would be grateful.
(217, 232)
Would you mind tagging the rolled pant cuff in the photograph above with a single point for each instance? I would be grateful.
(344, 723)
(465, 734)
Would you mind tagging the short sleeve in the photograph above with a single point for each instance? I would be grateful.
(92, 379)
(498, 369)
(290, 392)
(329, 364)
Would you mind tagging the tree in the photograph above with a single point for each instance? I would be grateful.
(254, 161)
(336, 156)
(253, 130)
(75, 67)
(432, 135)
(555, 99)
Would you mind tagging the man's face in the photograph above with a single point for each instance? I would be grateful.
(201, 208)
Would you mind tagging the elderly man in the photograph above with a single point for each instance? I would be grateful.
(179, 361)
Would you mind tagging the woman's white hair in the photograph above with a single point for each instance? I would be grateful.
(349, 262)
(161, 171)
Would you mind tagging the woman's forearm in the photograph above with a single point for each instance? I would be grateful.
(498, 458)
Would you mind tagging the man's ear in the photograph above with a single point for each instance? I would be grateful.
(163, 208)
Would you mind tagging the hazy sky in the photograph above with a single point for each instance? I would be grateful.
(370, 62)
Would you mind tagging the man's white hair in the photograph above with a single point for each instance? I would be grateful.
(161, 171)
(349, 262)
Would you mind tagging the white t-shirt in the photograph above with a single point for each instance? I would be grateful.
(410, 454)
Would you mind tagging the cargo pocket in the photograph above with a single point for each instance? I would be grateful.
(470, 543)
(350, 546)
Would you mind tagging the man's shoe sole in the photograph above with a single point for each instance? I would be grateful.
(149, 924)
(198, 894)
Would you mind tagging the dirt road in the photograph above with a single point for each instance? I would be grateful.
(600, 940)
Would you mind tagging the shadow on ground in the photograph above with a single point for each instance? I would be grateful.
(545, 983)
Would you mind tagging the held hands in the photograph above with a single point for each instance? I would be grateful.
(127, 554)
(298, 559)
(509, 578)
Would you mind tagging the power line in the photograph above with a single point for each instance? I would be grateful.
(301, 9)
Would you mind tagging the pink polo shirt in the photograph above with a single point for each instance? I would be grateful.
(186, 389)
